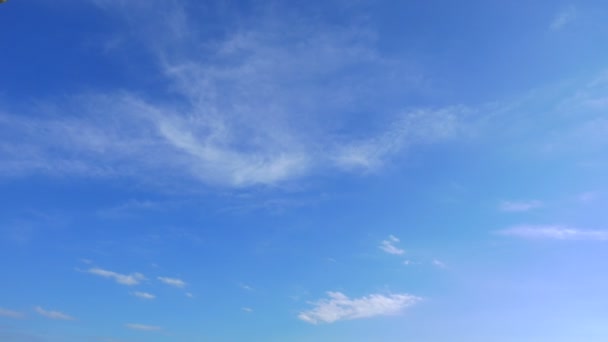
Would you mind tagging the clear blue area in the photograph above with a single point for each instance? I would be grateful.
(348, 171)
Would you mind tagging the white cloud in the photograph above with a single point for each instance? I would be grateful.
(53, 314)
(520, 206)
(339, 307)
(412, 128)
(248, 310)
(246, 287)
(439, 263)
(142, 327)
(172, 281)
(563, 18)
(189, 295)
(555, 232)
(235, 122)
(124, 279)
(11, 313)
(144, 295)
(389, 246)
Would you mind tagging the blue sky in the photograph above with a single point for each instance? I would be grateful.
(349, 171)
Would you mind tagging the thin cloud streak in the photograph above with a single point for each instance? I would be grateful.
(172, 281)
(554, 232)
(563, 18)
(11, 314)
(142, 327)
(144, 295)
(340, 307)
(123, 279)
(520, 206)
(389, 246)
(53, 314)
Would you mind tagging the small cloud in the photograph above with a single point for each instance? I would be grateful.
(340, 307)
(172, 281)
(248, 310)
(389, 246)
(439, 263)
(144, 295)
(563, 18)
(11, 313)
(53, 314)
(189, 295)
(520, 206)
(555, 232)
(124, 279)
(142, 327)
(246, 287)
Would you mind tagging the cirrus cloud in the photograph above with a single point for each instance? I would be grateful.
(142, 327)
(53, 314)
(554, 232)
(340, 307)
(124, 279)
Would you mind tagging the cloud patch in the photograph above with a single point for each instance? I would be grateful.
(172, 282)
(144, 295)
(142, 327)
(520, 206)
(563, 18)
(340, 307)
(53, 314)
(554, 232)
(267, 104)
(123, 279)
(11, 314)
(389, 246)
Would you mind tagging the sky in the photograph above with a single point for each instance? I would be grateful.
(348, 171)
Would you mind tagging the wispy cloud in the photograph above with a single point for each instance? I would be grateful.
(245, 287)
(172, 281)
(564, 17)
(11, 314)
(389, 247)
(248, 310)
(554, 232)
(234, 122)
(520, 206)
(53, 314)
(142, 327)
(438, 263)
(339, 307)
(124, 279)
(411, 128)
(144, 295)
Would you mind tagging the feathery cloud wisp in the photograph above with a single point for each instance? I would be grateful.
(124, 279)
(389, 247)
(339, 307)
(11, 314)
(563, 18)
(142, 327)
(172, 281)
(520, 206)
(234, 122)
(554, 232)
(53, 314)
(144, 295)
